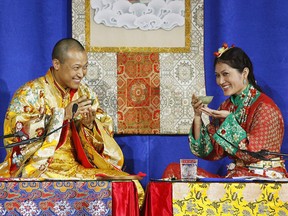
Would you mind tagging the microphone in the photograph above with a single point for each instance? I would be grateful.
(265, 152)
(17, 134)
(29, 141)
(74, 109)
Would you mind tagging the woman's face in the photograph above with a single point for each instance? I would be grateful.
(229, 79)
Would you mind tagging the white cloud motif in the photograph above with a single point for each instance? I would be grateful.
(176, 7)
(148, 22)
(121, 7)
(107, 17)
(172, 20)
(143, 14)
(137, 9)
(127, 21)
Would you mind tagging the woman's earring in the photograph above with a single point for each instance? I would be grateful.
(244, 81)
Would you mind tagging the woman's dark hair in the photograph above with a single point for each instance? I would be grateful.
(61, 47)
(238, 59)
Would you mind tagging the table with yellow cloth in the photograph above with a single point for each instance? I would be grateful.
(216, 198)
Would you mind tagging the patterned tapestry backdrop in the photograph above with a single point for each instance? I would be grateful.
(138, 93)
(139, 111)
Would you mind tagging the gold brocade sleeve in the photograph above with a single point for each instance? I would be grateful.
(39, 162)
(30, 112)
(110, 156)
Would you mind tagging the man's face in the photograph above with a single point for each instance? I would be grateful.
(70, 73)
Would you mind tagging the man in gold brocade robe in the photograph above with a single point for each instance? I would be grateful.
(84, 147)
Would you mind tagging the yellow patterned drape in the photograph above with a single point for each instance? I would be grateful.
(230, 199)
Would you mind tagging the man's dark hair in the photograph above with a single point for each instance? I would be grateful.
(61, 48)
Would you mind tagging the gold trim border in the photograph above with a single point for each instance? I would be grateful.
(140, 49)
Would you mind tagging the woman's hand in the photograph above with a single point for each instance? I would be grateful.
(215, 113)
(197, 105)
(197, 122)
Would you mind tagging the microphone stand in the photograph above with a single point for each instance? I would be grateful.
(17, 134)
(258, 155)
(32, 140)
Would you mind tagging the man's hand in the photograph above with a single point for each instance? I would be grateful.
(88, 118)
(84, 108)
